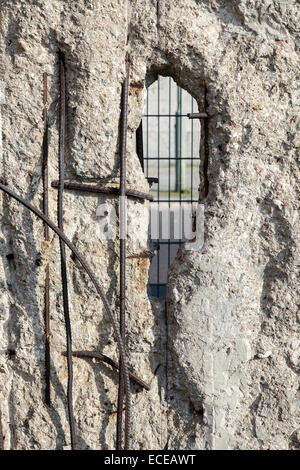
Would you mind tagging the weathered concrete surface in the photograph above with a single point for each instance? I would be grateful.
(229, 342)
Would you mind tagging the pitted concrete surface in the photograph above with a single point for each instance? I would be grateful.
(223, 359)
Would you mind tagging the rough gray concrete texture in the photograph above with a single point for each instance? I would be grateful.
(223, 363)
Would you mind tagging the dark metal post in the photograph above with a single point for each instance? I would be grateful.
(180, 145)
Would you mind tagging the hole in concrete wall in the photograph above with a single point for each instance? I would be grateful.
(171, 144)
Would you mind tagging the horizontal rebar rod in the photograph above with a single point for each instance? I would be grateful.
(197, 115)
(103, 190)
(111, 362)
(143, 254)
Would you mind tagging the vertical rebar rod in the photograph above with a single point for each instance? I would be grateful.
(179, 160)
(61, 163)
(45, 153)
(46, 238)
(124, 385)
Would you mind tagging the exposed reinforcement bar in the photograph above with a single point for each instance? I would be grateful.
(109, 361)
(103, 190)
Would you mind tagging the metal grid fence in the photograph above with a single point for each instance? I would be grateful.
(171, 159)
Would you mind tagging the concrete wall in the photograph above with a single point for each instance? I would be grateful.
(223, 363)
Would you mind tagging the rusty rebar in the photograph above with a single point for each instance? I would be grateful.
(61, 165)
(111, 362)
(47, 336)
(85, 266)
(45, 153)
(145, 254)
(102, 190)
(124, 386)
(197, 115)
(46, 238)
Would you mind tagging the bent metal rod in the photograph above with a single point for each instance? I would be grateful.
(85, 266)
